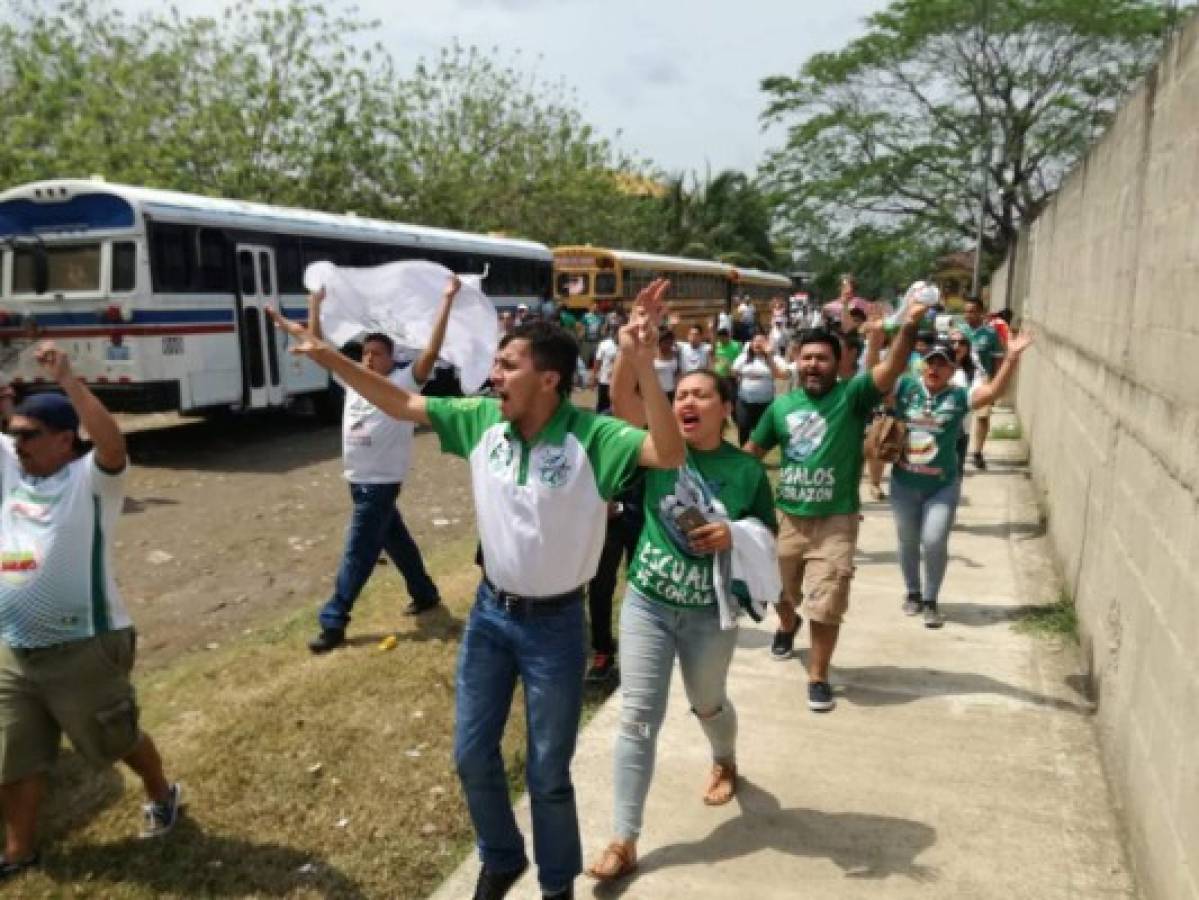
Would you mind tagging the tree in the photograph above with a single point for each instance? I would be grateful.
(891, 130)
(726, 217)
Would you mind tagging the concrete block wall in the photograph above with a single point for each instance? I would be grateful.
(1109, 400)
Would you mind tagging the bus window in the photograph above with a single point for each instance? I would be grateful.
(214, 271)
(72, 268)
(245, 271)
(287, 264)
(170, 258)
(605, 284)
(253, 337)
(573, 284)
(124, 266)
(264, 273)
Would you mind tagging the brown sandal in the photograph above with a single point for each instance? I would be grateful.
(722, 784)
(615, 862)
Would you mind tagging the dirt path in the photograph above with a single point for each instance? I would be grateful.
(229, 522)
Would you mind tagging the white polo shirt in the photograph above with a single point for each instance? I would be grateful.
(694, 358)
(541, 506)
(376, 448)
(56, 582)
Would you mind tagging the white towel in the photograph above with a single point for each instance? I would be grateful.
(400, 300)
(752, 560)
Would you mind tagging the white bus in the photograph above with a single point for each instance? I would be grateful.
(159, 295)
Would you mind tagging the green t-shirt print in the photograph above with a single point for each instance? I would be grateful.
(930, 460)
(726, 481)
(821, 442)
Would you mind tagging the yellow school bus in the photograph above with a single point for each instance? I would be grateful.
(700, 289)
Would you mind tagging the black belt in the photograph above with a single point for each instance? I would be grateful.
(517, 604)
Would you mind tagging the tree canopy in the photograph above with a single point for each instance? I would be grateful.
(889, 133)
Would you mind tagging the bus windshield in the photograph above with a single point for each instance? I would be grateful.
(571, 284)
(71, 268)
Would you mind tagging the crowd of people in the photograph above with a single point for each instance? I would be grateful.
(564, 496)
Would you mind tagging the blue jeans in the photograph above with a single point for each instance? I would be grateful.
(375, 526)
(651, 635)
(923, 520)
(547, 651)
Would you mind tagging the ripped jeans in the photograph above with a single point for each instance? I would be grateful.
(651, 635)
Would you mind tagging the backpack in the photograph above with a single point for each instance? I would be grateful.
(886, 438)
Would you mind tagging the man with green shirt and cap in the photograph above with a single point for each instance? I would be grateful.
(988, 350)
(542, 473)
(819, 428)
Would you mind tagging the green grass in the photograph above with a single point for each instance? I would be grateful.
(304, 776)
(1055, 620)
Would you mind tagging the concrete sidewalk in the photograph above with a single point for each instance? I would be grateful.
(959, 763)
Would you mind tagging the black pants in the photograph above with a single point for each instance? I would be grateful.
(603, 398)
(748, 415)
(619, 542)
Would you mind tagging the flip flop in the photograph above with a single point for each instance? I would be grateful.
(722, 785)
(614, 863)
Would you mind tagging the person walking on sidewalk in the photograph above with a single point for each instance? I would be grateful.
(542, 473)
(67, 643)
(988, 351)
(671, 606)
(819, 426)
(376, 450)
(925, 487)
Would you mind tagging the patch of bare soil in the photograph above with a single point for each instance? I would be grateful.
(230, 521)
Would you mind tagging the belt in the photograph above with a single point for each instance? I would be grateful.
(519, 605)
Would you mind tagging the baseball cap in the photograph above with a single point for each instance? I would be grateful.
(940, 347)
(53, 410)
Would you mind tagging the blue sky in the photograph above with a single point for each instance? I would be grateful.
(678, 79)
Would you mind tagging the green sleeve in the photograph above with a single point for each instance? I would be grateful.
(765, 433)
(614, 448)
(762, 507)
(864, 394)
(461, 421)
(902, 388)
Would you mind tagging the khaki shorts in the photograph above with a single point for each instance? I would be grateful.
(81, 688)
(820, 552)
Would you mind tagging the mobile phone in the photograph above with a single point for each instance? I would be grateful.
(689, 518)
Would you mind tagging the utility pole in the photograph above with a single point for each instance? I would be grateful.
(984, 153)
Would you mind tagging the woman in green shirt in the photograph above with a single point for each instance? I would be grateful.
(925, 487)
(670, 608)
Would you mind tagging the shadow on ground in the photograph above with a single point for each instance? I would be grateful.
(861, 845)
(192, 862)
(891, 685)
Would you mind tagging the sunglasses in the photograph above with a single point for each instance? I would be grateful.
(25, 434)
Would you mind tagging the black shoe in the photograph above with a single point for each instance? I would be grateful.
(494, 885)
(912, 605)
(567, 893)
(13, 869)
(415, 608)
(820, 696)
(328, 639)
(979, 462)
(932, 616)
(783, 645)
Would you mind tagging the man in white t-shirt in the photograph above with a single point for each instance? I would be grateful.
(66, 641)
(601, 370)
(376, 450)
(695, 354)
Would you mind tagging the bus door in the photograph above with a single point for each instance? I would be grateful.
(261, 344)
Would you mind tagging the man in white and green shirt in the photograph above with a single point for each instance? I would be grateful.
(542, 473)
(819, 428)
(66, 640)
(988, 350)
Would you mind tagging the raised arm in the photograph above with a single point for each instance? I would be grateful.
(886, 373)
(315, 299)
(101, 427)
(874, 341)
(423, 367)
(379, 390)
(993, 390)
